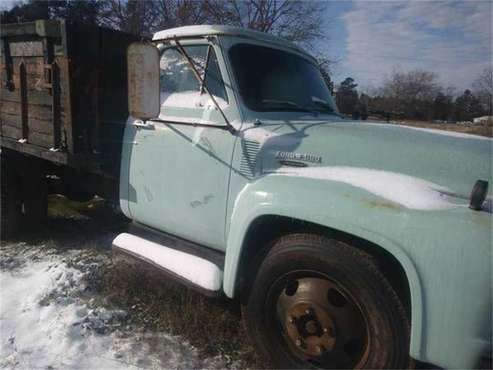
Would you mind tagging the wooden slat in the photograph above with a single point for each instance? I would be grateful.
(58, 157)
(10, 119)
(50, 28)
(33, 97)
(40, 139)
(33, 64)
(34, 82)
(10, 131)
(34, 112)
(37, 125)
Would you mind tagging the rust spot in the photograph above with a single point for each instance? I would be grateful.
(382, 204)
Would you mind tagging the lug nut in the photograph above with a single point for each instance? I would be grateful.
(329, 332)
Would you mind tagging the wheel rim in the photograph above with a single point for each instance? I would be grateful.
(320, 321)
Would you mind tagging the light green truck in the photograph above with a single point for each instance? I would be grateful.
(349, 244)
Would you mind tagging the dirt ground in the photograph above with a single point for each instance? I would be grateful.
(113, 298)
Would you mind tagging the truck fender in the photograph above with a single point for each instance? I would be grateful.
(314, 203)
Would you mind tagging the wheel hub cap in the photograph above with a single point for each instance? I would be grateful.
(322, 323)
(310, 328)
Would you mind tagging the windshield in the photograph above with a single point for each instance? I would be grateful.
(275, 80)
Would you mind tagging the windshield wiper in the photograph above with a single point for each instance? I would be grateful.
(286, 103)
(323, 104)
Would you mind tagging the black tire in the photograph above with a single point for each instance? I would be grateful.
(10, 201)
(364, 323)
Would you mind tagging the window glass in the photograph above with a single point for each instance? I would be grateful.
(213, 78)
(275, 80)
(179, 86)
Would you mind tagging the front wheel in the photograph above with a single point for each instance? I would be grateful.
(320, 303)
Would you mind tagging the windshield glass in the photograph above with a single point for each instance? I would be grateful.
(275, 80)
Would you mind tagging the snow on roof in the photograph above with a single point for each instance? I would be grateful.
(206, 30)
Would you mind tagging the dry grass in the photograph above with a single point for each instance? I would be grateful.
(212, 325)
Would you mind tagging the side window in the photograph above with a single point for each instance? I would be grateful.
(180, 88)
(213, 78)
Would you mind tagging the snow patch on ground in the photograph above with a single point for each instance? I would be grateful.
(46, 321)
(449, 133)
(408, 191)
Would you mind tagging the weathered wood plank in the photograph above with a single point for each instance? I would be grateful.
(34, 112)
(35, 138)
(10, 119)
(34, 82)
(41, 126)
(58, 157)
(39, 139)
(34, 65)
(50, 28)
(10, 131)
(33, 97)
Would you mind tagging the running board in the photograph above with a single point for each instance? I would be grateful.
(194, 271)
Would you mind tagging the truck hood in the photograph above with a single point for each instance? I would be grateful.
(418, 168)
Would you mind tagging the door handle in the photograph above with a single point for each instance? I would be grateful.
(142, 124)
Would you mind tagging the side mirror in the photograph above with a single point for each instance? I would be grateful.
(143, 80)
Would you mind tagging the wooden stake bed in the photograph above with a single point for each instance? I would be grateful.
(63, 93)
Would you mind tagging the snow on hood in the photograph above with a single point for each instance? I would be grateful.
(408, 191)
(257, 134)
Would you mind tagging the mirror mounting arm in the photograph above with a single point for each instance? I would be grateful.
(202, 83)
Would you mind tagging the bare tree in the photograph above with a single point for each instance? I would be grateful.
(176, 13)
(412, 92)
(131, 16)
(483, 89)
(299, 21)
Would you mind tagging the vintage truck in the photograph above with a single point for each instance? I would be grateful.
(349, 244)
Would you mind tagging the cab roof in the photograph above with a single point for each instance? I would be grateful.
(209, 30)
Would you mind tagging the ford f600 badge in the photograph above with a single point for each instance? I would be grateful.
(298, 156)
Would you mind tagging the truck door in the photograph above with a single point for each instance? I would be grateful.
(179, 166)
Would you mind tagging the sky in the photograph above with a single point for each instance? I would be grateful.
(370, 39)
